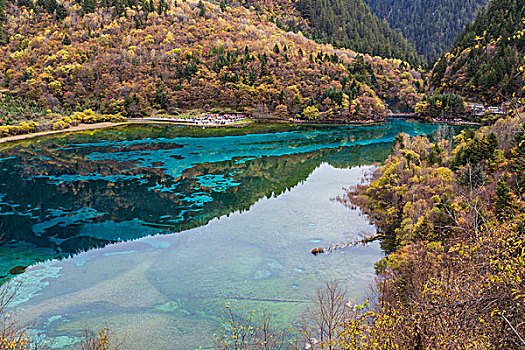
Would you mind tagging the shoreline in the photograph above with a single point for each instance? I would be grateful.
(339, 122)
(81, 127)
(190, 122)
(87, 127)
(456, 122)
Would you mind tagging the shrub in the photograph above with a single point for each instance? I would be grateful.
(13, 336)
(60, 125)
(24, 128)
(250, 332)
(100, 341)
(311, 113)
(90, 117)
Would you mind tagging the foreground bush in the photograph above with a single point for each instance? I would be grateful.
(61, 123)
(13, 335)
(103, 340)
(90, 117)
(252, 331)
(23, 128)
(16, 336)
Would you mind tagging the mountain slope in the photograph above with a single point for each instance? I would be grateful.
(349, 23)
(484, 61)
(342, 23)
(432, 26)
(142, 58)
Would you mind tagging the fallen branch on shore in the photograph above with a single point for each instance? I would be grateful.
(361, 241)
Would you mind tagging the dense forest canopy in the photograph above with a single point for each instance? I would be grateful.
(350, 24)
(342, 23)
(453, 219)
(138, 58)
(483, 64)
(432, 26)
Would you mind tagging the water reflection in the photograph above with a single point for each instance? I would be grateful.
(66, 194)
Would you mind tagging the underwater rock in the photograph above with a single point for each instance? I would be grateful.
(275, 265)
(262, 274)
(62, 341)
(17, 270)
(170, 306)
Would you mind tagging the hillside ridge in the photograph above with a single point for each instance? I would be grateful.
(169, 57)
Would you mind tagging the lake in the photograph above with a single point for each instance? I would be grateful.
(151, 229)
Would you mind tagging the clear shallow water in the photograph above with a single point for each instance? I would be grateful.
(166, 291)
(67, 194)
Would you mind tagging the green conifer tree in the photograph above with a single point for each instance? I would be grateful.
(503, 200)
(3, 14)
(66, 41)
(202, 9)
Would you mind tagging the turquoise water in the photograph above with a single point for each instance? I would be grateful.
(151, 229)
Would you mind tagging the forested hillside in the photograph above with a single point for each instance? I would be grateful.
(342, 23)
(349, 23)
(483, 64)
(139, 58)
(453, 218)
(432, 26)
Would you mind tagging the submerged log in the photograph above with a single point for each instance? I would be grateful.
(316, 251)
(363, 241)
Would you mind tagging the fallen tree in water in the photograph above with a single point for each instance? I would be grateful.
(362, 241)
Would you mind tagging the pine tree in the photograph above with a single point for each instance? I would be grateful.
(88, 6)
(202, 9)
(3, 19)
(60, 12)
(66, 41)
(503, 200)
(119, 8)
(3, 15)
(160, 95)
